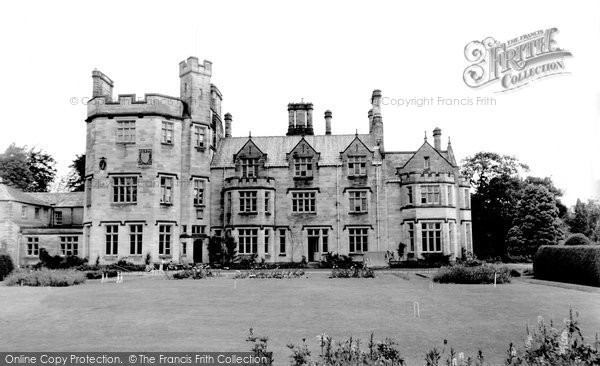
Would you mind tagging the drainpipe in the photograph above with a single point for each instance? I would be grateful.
(377, 167)
(337, 206)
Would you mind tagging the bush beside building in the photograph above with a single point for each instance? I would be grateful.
(574, 264)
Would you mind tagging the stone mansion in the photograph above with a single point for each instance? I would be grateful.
(165, 173)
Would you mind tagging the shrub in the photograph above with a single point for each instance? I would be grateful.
(384, 352)
(45, 277)
(127, 266)
(331, 260)
(578, 239)
(58, 262)
(355, 272)
(575, 264)
(6, 265)
(276, 273)
(195, 273)
(473, 275)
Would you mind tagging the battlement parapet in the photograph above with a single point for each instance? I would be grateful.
(129, 104)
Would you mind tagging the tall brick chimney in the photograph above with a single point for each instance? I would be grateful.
(437, 139)
(377, 130)
(228, 120)
(328, 116)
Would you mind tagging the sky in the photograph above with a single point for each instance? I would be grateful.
(333, 54)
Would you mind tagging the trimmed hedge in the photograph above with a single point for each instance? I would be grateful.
(578, 239)
(6, 265)
(473, 275)
(574, 264)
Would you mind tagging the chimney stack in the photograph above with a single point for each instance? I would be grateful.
(370, 120)
(377, 123)
(437, 139)
(102, 85)
(328, 116)
(300, 119)
(228, 120)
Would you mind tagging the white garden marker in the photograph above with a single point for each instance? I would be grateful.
(495, 275)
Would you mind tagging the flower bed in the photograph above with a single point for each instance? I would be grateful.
(354, 272)
(45, 277)
(275, 273)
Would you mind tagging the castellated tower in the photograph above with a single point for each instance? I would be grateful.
(147, 170)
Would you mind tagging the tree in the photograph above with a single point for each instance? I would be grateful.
(30, 170)
(585, 219)
(536, 222)
(41, 166)
(482, 167)
(14, 167)
(76, 177)
(221, 250)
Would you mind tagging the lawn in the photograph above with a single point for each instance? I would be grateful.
(211, 315)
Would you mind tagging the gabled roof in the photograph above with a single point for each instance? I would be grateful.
(248, 142)
(359, 140)
(64, 199)
(277, 147)
(443, 154)
(8, 193)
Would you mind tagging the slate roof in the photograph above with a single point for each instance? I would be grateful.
(8, 193)
(65, 199)
(276, 148)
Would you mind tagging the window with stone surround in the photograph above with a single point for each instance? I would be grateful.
(325, 240)
(58, 218)
(23, 212)
(304, 202)
(431, 237)
(198, 229)
(248, 241)
(125, 189)
(135, 239)
(409, 194)
(164, 239)
(69, 245)
(282, 242)
(411, 237)
(450, 195)
(33, 246)
(36, 213)
(426, 162)
(249, 167)
(467, 198)
(248, 201)
(358, 239)
(267, 202)
(112, 239)
(200, 136)
(126, 132)
(267, 240)
(166, 190)
(303, 167)
(358, 201)
(198, 192)
(430, 194)
(167, 135)
(357, 165)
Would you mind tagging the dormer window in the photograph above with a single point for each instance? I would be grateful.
(249, 168)
(303, 167)
(357, 165)
(426, 164)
